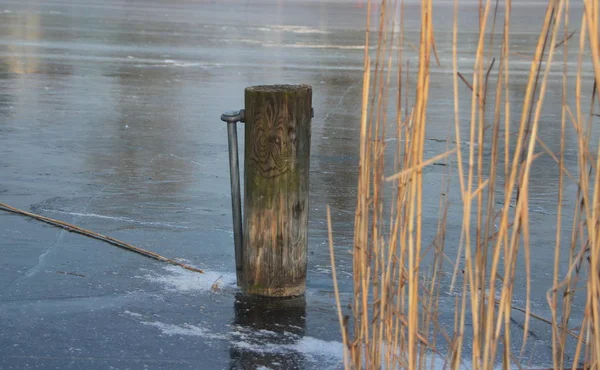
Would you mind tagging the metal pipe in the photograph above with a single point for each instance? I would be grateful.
(232, 118)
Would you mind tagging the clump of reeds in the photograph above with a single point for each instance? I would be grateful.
(394, 321)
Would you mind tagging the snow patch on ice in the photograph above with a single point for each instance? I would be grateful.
(185, 329)
(132, 314)
(327, 354)
(182, 280)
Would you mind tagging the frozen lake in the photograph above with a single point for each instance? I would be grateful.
(109, 119)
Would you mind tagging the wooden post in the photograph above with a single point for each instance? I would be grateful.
(276, 172)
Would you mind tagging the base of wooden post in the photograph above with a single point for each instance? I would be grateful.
(290, 292)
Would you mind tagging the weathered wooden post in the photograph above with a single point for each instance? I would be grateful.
(271, 246)
(276, 183)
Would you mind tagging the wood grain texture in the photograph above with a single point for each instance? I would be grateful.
(277, 154)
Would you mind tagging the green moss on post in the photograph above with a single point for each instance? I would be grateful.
(276, 160)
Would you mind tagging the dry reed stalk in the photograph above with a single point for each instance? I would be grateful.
(592, 216)
(336, 290)
(521, 213)
(558, 349)
(532, 143)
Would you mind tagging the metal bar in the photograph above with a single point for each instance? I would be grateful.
(236, 202)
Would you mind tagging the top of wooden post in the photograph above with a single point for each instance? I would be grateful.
(279, 88)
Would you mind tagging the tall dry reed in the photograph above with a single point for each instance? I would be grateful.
(394, 321)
